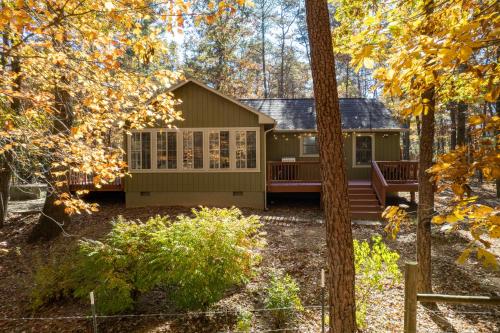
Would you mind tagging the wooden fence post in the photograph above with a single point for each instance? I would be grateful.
(410, 316)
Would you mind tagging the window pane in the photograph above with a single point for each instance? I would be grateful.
(363, 150)
(214, 149)
(172, 150)
(310, 145)
(146, 150)
(135, 151)
(251, 149)
(161, 150)
(198, 150)
(136, 141)
(192, 150)
(241, 158)
(187, 154)
(224, 150)
(166, 150)
(219, 149)
(136, 160)
(140, 151)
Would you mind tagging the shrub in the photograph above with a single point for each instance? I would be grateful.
(207, 254)
(244, 321)
(197, 257)
(376, 267)
(283, 298)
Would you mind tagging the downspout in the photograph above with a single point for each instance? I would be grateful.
(265, 165)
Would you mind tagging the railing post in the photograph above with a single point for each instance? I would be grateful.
(410, 315)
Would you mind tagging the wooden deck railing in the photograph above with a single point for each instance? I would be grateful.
(399, 171)
(299, 171)
(83, 181)
(394, 176)
(379, 183)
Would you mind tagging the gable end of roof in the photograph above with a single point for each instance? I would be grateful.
(263, 118)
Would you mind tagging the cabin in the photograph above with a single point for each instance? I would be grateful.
(231, 151)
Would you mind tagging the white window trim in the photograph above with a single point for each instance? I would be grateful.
(302, 154)
(354, 136)
(129, 150)
(206, 166)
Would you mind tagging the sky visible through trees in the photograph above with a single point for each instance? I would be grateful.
(266, 41)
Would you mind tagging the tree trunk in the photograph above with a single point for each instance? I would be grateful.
(461, 118)
(425, 209)
(5, 172)
(53, 217)
(497, 106)
(425, 196)
(263, 47)
(6, 158)
(406, 141)
(281, 85)
(5, 176)
(347, 79)
(417, 120)
(358, 76)
(453, 131)
(334, 195)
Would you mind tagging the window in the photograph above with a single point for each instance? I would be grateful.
(192, 149)
(140, 153)
(232, 149)
(309, 145)
(363, 150)
(218, 150)
(166, 150)
(246, 149)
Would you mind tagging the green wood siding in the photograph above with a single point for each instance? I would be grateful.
(387, 148)
(202, 108)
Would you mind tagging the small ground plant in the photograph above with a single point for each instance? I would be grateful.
(198, 258)
(244, 321)
(376, 268)
(282, 298)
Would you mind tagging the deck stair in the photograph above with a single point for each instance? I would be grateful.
(363, 202)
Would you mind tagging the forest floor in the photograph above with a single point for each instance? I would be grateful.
(295, 243)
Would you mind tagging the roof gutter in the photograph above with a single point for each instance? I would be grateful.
(360, 130)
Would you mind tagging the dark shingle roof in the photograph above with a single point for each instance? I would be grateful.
(299, 114)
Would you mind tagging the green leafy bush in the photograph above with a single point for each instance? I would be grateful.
(207, 254)
(197, 258)
(376, 268)
(283, 298)
(244, 321)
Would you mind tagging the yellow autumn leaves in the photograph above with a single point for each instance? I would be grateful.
(452, 50)
(101, 62)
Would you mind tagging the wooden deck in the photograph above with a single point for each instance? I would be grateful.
(394, 176)
(81, 181)
(304, 176)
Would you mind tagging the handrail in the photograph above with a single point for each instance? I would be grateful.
(379, 183)
(458, 299)
(378, 172)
